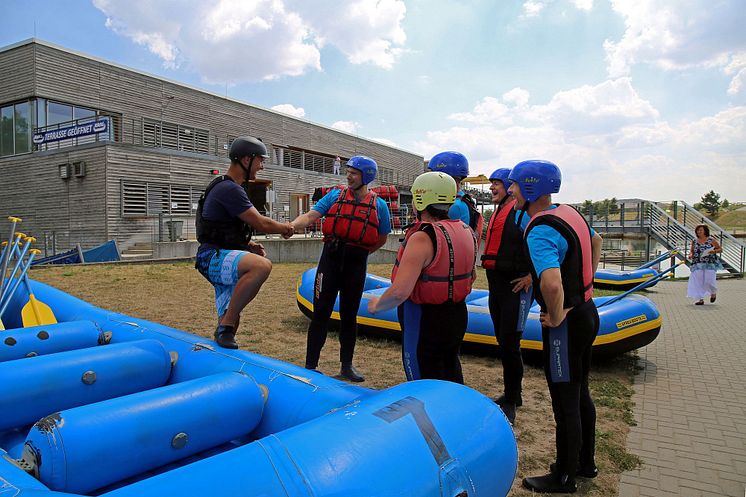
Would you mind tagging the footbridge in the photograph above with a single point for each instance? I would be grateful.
(669, 223)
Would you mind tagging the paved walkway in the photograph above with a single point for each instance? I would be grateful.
(691, 398)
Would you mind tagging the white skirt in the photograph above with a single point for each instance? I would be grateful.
(702, 282)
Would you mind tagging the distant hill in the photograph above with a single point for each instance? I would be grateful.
(732, 219)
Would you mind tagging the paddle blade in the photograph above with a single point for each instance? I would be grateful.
(2, 326)
(36, 313)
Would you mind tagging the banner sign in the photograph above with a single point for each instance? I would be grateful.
(91, 128)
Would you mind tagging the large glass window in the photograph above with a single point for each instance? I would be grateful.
(41, 112)
(58, 113)
(23, 127)
(82, 113)
(6, 131)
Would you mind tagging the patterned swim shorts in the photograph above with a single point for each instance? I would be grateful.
(220, 267)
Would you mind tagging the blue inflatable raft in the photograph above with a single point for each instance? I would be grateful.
(110, 405)
(626, 324)
(620, 279)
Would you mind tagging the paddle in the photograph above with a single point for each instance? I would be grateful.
(8, 248)
(642, 285)
(10, 252)
(19, 255)
(35, 313)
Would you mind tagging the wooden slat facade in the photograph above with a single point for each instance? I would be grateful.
(89, 208)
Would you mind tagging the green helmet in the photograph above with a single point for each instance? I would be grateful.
(433, 188)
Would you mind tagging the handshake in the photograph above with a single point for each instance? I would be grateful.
(288, 230)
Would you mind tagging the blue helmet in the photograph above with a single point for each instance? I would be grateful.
(502, 174)
(365, 165)
(536, 178)
(453, 164)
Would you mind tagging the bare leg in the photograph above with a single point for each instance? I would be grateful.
(253, 271)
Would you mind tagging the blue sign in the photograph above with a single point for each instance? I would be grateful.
(92, 128)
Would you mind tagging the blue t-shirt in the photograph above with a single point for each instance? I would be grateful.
(226, 201)
(459, 210)
(384, 217)
(547, 247)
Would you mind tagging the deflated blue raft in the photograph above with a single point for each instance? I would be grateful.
(140, 409)
(626, 324)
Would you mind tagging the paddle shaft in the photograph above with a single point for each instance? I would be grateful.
(6, 254)
(16, 284)
(20, 255)
(642, 285)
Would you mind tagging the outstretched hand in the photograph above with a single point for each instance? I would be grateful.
(288, 231)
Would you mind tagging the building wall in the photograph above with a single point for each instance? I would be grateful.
(72, 210)
(16, 73)
(88, 210)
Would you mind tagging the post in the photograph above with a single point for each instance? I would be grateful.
(622, 215)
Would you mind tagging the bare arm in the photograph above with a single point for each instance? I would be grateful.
(550, 283)
(596, 244)
(418, 254)
(302, 221)
(716, 248)
(253, 218)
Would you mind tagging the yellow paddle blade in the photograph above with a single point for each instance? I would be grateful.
(36, 313)
(2, 326)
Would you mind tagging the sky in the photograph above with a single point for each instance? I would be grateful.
(630, 98)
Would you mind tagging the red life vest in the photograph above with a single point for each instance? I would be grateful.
(354, 222)
(504, 248)
(449, 276)
(577, 268)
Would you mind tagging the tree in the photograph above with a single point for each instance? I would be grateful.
(585, 209)
(725, 204)
(711, 202)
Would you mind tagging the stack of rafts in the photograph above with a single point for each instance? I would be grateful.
(111, 405)
(15, 260)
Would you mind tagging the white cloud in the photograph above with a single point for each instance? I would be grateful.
(290, 110)
(347, 126)
(237, 40)
(532, 8)
(679, 34)
(608, 142)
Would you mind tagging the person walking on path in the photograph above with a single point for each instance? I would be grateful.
(564, 253)
(227, 257)
(357, 223)
(705, 265)
(432, 276)
(507, 269)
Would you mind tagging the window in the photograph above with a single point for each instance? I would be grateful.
(58, 113)
(6, 131)
(23, 128)
(175, 136)
(149, 199)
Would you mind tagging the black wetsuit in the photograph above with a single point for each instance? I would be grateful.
(342, 269)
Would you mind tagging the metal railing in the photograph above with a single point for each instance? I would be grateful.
(675, 234)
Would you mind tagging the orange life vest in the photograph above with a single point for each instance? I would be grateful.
(354, 222)
(449, 276)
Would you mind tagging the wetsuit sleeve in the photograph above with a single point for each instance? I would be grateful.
(459, 210)
(323, 205)
(546, 247)
(384, 217)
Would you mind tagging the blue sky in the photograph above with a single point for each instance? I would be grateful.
(639, 98)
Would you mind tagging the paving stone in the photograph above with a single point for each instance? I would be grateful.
(690, 398)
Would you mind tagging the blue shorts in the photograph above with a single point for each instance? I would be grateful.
(220, 267)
